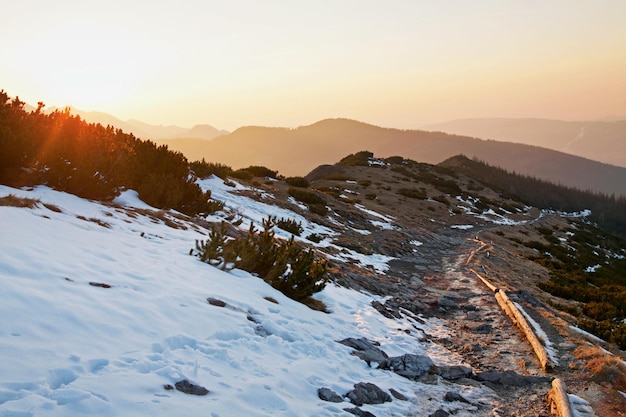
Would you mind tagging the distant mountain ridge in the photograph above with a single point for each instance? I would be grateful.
(147, 131)
(603, 141)
(298, 151)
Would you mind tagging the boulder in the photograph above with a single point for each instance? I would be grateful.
(510, 378)
(454, 396)
(453, 373)
(365, 349)
(397, 395)
(189, 388)
(358, 412)
(367, 393)
(329, 395)
(409, 365)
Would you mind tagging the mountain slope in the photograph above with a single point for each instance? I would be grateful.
(145, 130)
(602, 141)
(108, 310)
(297, 151)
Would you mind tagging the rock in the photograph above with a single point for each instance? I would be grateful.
(448, 303)
(454, 396)
(367, 393)
(440, 413)
(397, 395)
(489, 376)
(365, 349)
(510, 378)
(99, 284)
(484, 328)
(216, 302)
(452, 373)
(329, 395)
(168, 387)
(409, 365)
(189, 388)
(358, 412)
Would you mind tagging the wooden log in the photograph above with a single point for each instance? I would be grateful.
(518, 318)
(489, 285)
(559, 399)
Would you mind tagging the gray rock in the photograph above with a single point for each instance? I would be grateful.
(510, 378)
(484, 328)
(453, 373)
(329, 395)
(397, 395)
(367, 393)
(358, 412)
(409, 366)
(440, 413)
(454, 396)
(189, 388)
(216, 302)
(365, 349)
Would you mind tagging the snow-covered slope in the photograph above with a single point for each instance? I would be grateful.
(71, 345)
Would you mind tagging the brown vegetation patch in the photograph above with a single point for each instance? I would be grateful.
(15, 201)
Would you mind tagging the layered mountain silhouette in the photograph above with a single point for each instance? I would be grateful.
(603, 141)
(298, 151)
(147, 131)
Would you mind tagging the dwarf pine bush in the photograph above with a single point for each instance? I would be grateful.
(285, 265)
(291, 226)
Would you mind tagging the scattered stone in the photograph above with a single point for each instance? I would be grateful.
(216, 302)
(389, 313)
(397, 395)
(440, 413)
(510, 378)
(484, 328)
(189, 388)
(261, 331)
(452, 373)
(358, 412)
(99, 284)
(365, 349)
(367, 393)
(454, 396)
(448, 303)
(409, 365)
(168, 387)
(329, 395)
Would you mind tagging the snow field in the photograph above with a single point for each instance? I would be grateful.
(70, 348)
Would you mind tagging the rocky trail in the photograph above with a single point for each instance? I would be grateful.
(439, 282)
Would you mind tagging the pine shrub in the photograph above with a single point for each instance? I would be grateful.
(413, 193)
(290, 226)
(298, 182)
(285, 265)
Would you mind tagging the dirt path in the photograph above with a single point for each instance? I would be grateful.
(485, 337)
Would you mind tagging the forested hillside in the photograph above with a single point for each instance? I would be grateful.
(90, 160)
(608, 211)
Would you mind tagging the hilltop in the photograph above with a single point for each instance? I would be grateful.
(132, 278)
(298, 151)
(602, 141)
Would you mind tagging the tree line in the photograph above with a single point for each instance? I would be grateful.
(90, 160)
(607, 211)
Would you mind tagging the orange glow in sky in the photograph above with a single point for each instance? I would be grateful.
(396, 63)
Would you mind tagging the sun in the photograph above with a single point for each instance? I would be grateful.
(88, 67)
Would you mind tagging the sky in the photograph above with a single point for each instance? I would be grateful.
(396, 63)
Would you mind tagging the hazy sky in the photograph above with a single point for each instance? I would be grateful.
(288, 63)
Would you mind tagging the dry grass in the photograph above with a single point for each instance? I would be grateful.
(95, 220)
(314, 304)
(603, 368)
(14, 201)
